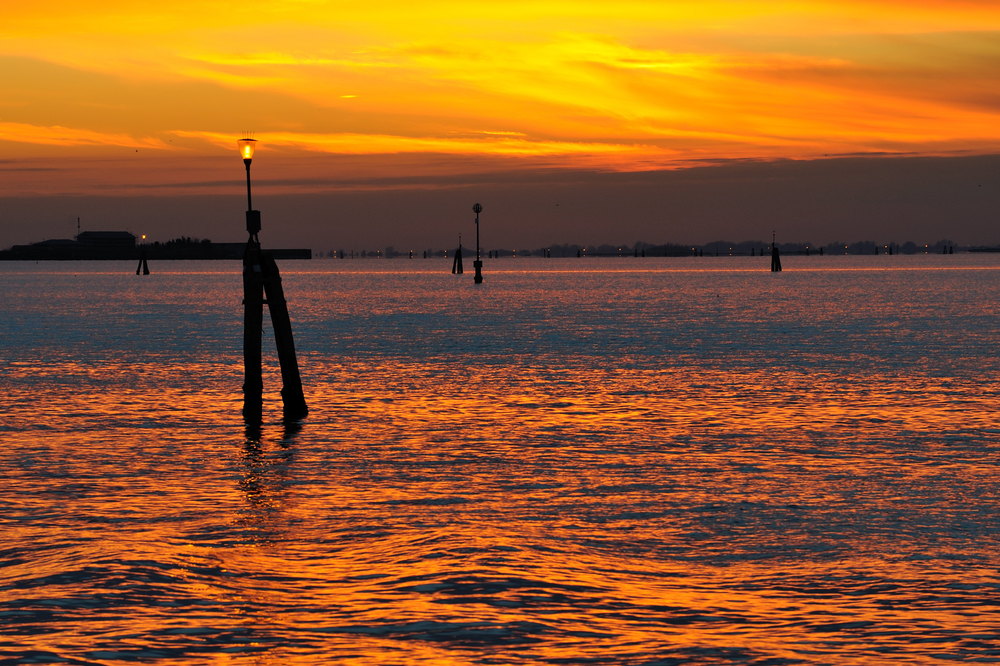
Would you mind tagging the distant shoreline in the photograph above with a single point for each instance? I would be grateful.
(714, 249)
(194, 251)
(113, 245)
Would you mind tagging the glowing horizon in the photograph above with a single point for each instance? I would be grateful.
(633, 86)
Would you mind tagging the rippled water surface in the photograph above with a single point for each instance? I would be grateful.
(623, 461)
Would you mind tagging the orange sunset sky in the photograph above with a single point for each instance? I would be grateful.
(382, 122)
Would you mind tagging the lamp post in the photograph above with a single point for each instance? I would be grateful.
(261, 279)
(247, 147)
(253, 302)
(478, 263)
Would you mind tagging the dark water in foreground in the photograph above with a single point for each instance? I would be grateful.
(658, 461)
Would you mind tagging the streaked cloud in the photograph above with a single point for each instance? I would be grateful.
(56, 135)
(631, 85)
(506, 144)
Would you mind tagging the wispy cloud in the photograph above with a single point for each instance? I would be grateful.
(626, 86)
(483, 143)
(55, 135)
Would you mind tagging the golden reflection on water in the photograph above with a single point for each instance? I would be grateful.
(709, 479)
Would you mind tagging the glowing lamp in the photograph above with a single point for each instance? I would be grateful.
(247, 146)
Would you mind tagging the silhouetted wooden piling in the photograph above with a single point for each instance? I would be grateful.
(775, 259)
(291, 384)
(260, 278)
(456, 264)
(143, 267)
(253, 320)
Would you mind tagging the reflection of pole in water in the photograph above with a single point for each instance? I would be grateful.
(775, 256)
(265, 477)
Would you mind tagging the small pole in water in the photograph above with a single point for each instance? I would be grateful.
(478, 263)
(456, 265)
(775, 256)
(143, 267)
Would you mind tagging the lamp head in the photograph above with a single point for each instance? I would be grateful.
(247, 146)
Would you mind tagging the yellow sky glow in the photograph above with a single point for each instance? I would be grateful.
(620, 86)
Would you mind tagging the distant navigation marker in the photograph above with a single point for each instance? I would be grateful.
(775, 256)
(478, 263)
(143, 267)
(456, 265)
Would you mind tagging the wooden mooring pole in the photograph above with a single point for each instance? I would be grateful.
(261, 278)
(292, 399)
(143, 267)
(253, 320)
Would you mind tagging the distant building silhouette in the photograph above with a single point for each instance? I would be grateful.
(106, 239)
(90, 245)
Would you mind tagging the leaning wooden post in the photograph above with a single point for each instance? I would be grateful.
(293, 400)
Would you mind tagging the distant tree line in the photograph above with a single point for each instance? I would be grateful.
(182, 241)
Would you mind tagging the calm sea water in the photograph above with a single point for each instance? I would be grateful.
(622, 461)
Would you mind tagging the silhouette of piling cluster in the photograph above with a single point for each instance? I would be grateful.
(262, 286)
